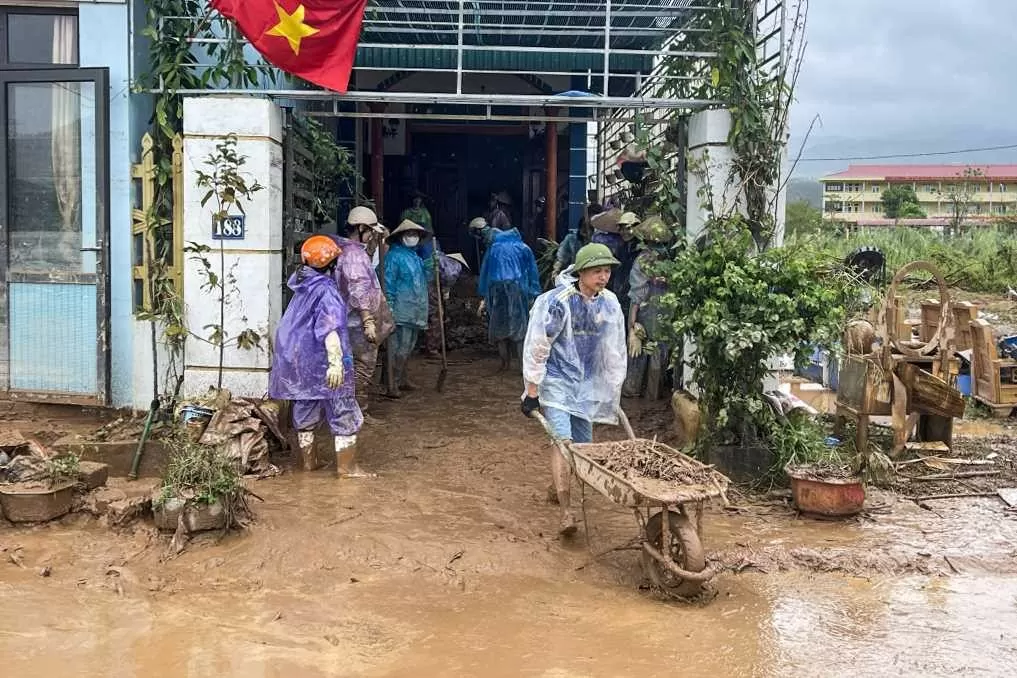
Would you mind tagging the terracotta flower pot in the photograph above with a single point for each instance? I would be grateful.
(833, 497)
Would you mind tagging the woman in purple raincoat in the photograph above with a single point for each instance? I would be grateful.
(312, 364)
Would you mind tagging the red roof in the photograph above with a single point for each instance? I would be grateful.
(988, 172)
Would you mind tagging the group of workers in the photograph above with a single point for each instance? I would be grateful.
(579, 343)
(326, 348)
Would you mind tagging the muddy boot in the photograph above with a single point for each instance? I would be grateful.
(346, 459)
(308, 458)
(568, 524)
(405, 384)
(399, 374)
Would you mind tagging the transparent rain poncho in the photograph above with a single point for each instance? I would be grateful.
(575, 352)
(299, 358)
(406, 286)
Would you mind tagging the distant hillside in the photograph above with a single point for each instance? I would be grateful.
(805, 189)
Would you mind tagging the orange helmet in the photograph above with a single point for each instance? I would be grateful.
(319, 251)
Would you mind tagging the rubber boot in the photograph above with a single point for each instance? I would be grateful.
(346, 458)
(561, 473)
(403, 376)
(308, 458)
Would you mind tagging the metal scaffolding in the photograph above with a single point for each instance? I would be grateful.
(488, 59)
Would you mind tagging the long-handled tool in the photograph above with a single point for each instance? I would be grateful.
(136, 462)
(441, 325)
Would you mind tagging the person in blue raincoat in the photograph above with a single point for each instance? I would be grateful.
(312, 362)
(406, 287)
(574, 359)
(509, 282)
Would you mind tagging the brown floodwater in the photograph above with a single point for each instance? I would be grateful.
(447, 565)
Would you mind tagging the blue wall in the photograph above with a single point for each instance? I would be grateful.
(104, 43)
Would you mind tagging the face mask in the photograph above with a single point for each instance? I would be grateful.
(411, 240)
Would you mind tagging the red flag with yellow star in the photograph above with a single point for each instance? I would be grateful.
(313, 39)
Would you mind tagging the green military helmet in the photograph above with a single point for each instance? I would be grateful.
(593, 255)
(653, 230)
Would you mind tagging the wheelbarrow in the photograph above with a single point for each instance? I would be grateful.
(669, 513)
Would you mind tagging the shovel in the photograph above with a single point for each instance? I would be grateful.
(441, 324)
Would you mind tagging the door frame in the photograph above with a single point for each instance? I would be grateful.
(100, 77)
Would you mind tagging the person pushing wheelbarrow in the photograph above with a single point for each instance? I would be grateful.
(574, 360)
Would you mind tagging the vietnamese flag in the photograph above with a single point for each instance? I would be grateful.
(313, 39)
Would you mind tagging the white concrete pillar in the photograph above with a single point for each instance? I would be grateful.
(709, 191)
(713, 188)
(256, 259)
(710, 167)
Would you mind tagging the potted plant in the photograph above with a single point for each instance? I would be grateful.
(826, 475)
(202, 489)
(38, 489)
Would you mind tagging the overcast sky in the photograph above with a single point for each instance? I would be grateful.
(907, 76)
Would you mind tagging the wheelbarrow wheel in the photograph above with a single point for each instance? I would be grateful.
(685, 549)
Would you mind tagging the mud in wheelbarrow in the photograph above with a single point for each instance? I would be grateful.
(666, 490)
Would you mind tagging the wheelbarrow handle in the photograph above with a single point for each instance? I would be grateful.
(536, 414)
(624, 420)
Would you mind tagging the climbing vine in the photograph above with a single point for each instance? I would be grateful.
(739, 299)
(192, 47)
(180, 59)
(331, 165)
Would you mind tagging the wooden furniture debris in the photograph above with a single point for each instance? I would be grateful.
(993, 379)
(963, 313)
(912, 381)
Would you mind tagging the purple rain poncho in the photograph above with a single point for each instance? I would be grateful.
(449, 269)
(299, 362)
(509, 282)
(360, 289)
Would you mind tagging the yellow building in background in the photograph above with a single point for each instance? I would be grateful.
(985, 192)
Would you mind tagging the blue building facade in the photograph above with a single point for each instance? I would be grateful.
(65, 308)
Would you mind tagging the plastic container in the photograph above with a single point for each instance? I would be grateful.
(964, 384)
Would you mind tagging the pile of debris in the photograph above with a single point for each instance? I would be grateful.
(248, 432)
(650, 459)
(37, 484)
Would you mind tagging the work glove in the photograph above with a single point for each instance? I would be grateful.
(555, 270)
(370, 329)
(481, 308)
(530, 405)
(636, 336)
(335, 373)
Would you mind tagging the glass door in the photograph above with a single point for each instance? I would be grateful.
(53, 206)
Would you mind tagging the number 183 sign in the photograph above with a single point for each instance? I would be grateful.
(232, 227)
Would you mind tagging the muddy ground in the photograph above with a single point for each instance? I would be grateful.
(448, 565)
